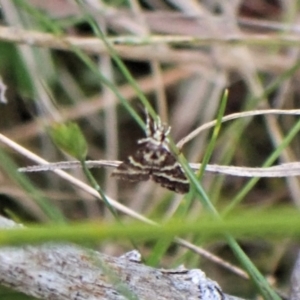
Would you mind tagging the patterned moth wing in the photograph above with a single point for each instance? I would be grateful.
(169, 174)
(133, 168)
(154, 160)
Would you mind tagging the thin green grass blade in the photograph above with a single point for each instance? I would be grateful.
(114, 278)
(11, 170)
(159, 251)
(69, 138)
(256, 276)
(9, 294)
(98, 32)
(247, 188)
(215, 134)
(183, 208)
(54, 27)
(236, 130)
(269, 224)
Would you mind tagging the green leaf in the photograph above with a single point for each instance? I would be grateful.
(69, 138)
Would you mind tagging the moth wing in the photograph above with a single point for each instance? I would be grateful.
(168, 173)
(178, 184)
(133, 168)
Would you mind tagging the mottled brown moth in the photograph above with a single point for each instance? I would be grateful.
(154, 160)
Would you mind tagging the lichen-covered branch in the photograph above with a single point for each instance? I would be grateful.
(66, 271)
(295, 280)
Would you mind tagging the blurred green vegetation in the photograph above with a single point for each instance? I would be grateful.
(106, 94)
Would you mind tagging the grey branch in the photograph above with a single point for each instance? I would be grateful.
(295, 281)
(67, 271)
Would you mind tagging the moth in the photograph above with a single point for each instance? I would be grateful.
(154, 160)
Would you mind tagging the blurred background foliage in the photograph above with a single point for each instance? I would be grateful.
(184, 83)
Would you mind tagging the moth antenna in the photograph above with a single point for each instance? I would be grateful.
(151, 125)
(148, 124)
(168, 130)
(158, 124)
